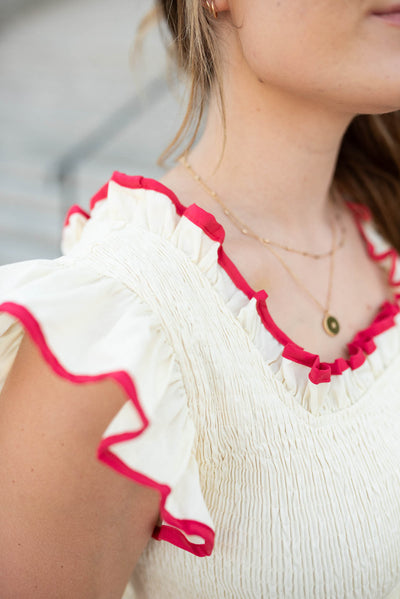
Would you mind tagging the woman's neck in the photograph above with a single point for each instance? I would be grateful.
(279, 158)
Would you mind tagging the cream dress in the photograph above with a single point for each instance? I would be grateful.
(279, 474)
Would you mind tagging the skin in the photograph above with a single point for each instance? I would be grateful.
(287, 111)
(70, 527)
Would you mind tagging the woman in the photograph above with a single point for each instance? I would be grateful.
(252, 441)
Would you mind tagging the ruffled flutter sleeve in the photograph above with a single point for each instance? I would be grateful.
(90, 326)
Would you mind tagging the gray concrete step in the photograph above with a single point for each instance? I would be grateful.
(75, 101)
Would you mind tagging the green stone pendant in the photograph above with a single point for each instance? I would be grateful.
(331, 325)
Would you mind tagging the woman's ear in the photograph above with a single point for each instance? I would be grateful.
(222, 5)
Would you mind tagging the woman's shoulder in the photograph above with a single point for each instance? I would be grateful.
(123, 201)
(138, 231)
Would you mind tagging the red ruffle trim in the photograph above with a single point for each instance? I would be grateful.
(361, 345)
(169, 532)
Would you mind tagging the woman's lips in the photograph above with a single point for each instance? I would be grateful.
(391, 15)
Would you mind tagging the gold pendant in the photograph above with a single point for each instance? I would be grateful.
(331, 325)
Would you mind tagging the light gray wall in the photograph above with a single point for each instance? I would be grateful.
(72, 110)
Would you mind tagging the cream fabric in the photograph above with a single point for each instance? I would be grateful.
(300, 481)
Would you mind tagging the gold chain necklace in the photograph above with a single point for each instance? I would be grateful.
(330, 323)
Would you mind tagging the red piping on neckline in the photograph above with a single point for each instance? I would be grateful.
(390, 253)
(167, 532)
(132, 182)
(75, 209)
(359, 347)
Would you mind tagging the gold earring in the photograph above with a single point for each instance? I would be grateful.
(210, 6)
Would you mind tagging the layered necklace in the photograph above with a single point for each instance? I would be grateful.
(330, 323)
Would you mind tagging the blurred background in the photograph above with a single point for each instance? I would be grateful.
(73, 109)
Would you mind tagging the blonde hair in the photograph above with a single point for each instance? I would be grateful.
(368, 165)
